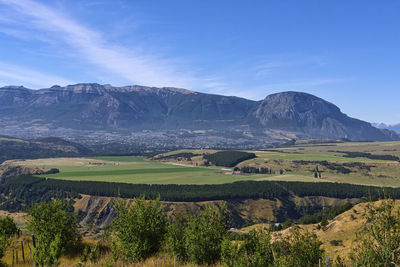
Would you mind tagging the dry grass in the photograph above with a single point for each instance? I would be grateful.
(161, 260)
(342, 228)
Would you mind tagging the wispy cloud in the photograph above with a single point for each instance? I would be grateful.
(117, 64)
(267, 68)
(15, 75)
(141, 67)
(310, 85)
(296, 85)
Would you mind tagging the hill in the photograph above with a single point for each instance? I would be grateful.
(175, 117)
(338, 237)
(15, 148)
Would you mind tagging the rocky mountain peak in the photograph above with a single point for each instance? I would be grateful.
(92, 106)
(295, 109)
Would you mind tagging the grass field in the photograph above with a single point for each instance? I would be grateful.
(132, 169)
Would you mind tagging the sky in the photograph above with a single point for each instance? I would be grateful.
(346, 52)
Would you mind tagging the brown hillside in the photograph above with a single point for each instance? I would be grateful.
(338, 237)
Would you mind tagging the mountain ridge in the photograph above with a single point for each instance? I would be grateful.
(392, 127)
(125, 110)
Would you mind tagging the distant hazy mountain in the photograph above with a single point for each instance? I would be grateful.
(392, 127)
(172, 112)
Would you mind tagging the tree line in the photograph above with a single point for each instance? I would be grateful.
(254, 170)
(23, 191)
(350, 154)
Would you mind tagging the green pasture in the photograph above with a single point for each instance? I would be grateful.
(140, 170)
(132, 169)
(121, 158)
(310, 156)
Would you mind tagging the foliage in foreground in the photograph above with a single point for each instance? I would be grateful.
(8, 228)
(299, 249)
(203, 235)
(254, 251)
(139, 229)
(198, 238)
(379, 240)
(54, 227)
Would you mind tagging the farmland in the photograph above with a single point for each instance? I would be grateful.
(336, 162)
(131, 170)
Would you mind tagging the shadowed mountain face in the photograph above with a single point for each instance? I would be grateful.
(94, 107)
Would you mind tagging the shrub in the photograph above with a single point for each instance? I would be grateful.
(54, 227)
(203, 235)
(380, 237)
(336, 243)
(299, 249)
(139, 229)
(254, 251)
(175, 238)
(3, 246)
(8, 227)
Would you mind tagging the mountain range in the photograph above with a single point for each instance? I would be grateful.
(163, 115)
(392, 127)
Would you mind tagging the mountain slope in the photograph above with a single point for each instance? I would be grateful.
(314, 117)
(122, 110)
(14, 148)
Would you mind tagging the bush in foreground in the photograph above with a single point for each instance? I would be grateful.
(380, 238)
(8, 228)
(298, 249)
(54, 227)
(204, 234)
(198, 238)
(254, 251)
(139, 229)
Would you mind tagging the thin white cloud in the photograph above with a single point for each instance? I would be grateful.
(260, 92)
(267, 68)
(116, 64)
(15, 75)
(133, 66)
(295, 85)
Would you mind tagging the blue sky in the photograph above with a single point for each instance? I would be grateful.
(347, 52)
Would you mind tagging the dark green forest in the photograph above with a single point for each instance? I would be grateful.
(229, 158)
(367, 155)
(19, 192)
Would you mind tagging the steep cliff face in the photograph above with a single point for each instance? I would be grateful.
(136, 108)
(313, 117)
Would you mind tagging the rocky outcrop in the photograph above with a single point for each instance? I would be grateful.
(314, 118)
